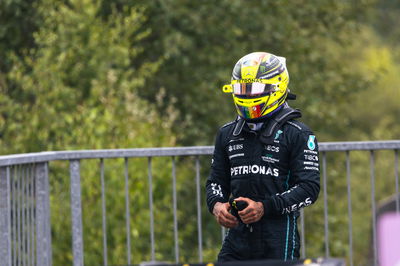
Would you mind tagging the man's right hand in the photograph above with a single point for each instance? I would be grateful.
(224, 218)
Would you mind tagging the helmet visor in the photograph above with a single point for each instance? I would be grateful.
(253, 89)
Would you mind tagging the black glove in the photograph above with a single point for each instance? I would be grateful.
(237, 206)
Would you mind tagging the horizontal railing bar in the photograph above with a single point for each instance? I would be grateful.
(360, 145)
(173, 151)
(106, 154)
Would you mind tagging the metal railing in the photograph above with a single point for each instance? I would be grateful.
(25, 229)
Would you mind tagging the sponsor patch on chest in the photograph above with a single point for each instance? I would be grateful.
(269, 159)
(235, 147)
(254, 169)
(273, 148)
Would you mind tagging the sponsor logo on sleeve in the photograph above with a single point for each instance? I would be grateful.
(311, 160)
(297, 206)
(217, 190)
(311, 142)
(311, 168)
(311, 157)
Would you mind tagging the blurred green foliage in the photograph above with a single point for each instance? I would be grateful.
(90, 74)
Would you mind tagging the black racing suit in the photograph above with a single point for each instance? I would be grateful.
(282, 172)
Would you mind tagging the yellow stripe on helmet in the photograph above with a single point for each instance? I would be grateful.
(250, 102)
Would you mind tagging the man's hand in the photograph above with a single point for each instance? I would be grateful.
(224, 218)
(253, 212)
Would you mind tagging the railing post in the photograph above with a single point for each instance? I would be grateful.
(373, 207)
(5, 217)
(43, 229)
(326, 221)
(349, 209)
(153, 253)
(103, 213)
(76, 213)
(198, 194)
(174, 203)
(127, 213)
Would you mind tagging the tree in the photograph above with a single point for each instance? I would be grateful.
(79, 90)
(200, 48)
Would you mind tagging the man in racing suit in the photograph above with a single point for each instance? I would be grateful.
(268, 160)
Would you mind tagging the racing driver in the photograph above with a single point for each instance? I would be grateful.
(265, 159)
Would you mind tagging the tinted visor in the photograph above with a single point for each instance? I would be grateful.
(253, 112)
(253, 89)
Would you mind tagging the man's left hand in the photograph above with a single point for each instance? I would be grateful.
(253, 212)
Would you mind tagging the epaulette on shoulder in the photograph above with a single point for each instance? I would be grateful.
(297, 124)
